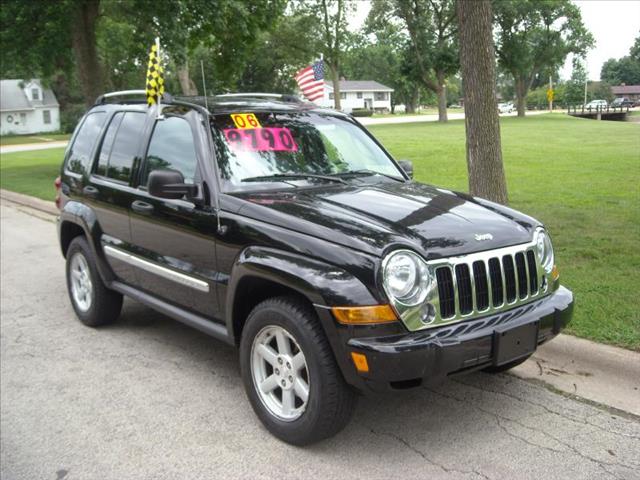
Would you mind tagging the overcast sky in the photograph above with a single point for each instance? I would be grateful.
(614, 25)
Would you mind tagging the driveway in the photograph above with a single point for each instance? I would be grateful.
(149, 398)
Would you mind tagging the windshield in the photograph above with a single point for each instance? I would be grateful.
(278, 150)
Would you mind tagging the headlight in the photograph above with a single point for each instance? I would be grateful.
(544, 250)
(405, 277)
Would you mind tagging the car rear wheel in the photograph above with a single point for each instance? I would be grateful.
(290, 374)
(92, 301)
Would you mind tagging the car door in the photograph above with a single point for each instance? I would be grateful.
(108, 191)
(174, 240)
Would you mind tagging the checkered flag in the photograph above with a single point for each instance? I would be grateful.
(155, 80)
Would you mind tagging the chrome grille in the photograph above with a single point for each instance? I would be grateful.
(477, 284)
(471, 285)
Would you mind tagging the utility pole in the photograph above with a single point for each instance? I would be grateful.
(586, 79)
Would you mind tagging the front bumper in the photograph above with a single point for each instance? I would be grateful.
(430, 356)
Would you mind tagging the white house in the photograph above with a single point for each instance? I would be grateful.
(359, 94)
(27, 107)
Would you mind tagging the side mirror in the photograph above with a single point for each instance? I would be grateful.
(407, 166)
(170, 184)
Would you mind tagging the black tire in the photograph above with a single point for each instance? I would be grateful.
(105, 303)
(331, 401)
(506, 366)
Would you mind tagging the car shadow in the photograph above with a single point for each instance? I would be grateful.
(460, 408)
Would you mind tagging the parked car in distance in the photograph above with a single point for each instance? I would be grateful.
(288, 231)
(505, 107)
(622, 102)
(596, 105)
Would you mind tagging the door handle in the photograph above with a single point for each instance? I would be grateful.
(143, 208)
(90, 191)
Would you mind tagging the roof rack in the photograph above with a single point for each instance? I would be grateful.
(285, 97)
(123, 93)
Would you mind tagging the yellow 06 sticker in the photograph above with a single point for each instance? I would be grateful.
(245, 120)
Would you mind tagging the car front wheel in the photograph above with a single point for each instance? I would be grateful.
(290, 374)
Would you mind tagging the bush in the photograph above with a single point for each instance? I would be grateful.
(70, 116)
(361, 112)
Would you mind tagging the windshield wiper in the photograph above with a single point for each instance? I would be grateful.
(276, 177)
(365, 171)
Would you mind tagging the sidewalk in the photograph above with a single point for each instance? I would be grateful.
(428, 118)
(363, 120)
(25, 147)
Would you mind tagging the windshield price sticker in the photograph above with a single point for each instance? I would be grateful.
(270, 139)
(245, 120)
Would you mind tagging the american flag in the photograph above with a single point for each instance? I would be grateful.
(311, 81)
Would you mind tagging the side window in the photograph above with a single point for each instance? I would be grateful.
(80, 154)
(107, 144)
(172, 148)
(120, 146)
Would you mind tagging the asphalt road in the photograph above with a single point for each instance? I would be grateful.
(148, 398)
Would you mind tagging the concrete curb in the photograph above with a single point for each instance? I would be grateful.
(600, 373)
(29, 201)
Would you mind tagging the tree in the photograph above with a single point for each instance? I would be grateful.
(382, 52)
(227, 30)
(39, 38)
(574, 93)
(431, 25)
(334, 30)
(477, 60)
(625, 70)
(533, 38)
(279, 53)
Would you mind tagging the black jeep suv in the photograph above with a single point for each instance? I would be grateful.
(288, 231)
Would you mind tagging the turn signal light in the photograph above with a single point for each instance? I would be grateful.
(364, 315)
(555, 274)
(360, 361)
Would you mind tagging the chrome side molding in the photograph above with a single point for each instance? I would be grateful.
(134, 260)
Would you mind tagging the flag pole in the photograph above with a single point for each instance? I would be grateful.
(159, 64)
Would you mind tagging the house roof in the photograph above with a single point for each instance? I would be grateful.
(625, 89)
(360, 86)
(13, 98)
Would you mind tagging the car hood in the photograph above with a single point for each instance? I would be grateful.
(377, 217)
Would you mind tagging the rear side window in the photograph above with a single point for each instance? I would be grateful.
(172, 148)
(80, 154)
(120, 146)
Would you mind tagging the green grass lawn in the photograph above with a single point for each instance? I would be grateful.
(38, 138)
(32, 173)
(580, 177)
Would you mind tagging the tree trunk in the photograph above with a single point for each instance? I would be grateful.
(335, 80)
(441, 91)
(477, 60)
(186, 83)
(521, 96)
(83, 43)
(412, 102)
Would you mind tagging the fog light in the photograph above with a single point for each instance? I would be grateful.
(360, 361)
(428, 313)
